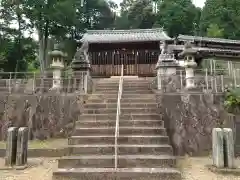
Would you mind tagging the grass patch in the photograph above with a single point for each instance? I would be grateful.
(46, 144)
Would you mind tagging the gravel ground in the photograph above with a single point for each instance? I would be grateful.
(39, 169)
(194, 169)
(42, 168)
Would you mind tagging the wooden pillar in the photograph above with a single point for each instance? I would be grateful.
(136, 68)
(112, 71)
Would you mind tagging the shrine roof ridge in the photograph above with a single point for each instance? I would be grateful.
(130, 35)
(208, 39)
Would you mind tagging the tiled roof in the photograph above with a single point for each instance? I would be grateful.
(203, 49)
(199, 38)
(132, 35)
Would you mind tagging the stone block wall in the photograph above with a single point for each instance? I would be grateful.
(47, 115)
(189, 118)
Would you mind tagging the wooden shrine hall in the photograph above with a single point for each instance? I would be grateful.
(136, 49)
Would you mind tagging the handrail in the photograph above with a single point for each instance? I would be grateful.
(117, 116)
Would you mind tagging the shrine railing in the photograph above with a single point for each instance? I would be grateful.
(204, 80)
(120, 89)
(31, 83)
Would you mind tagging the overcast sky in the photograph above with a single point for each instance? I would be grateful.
(198, 3)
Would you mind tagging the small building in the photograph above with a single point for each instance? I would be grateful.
(136, 49)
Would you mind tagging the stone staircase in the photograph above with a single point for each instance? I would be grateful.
(144, 152)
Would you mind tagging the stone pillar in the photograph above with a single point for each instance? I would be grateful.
(217, 148)
(22, 146)
(81, 68)
(166, 67)
(11, 148)
(57, 65)
(190, 84)
(228, 147)
(189, 54)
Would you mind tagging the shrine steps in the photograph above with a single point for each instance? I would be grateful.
(143, 150)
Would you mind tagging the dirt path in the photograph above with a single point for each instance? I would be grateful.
(194, 169)
(42, 168)
(39, 169)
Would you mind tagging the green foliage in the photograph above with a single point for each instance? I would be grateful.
(135, 14)
(226, 14)
(214, 31)
(62, 20)
(178, 17)
(140, 14)
(232, 101)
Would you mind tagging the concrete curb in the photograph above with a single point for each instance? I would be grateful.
(42, 152)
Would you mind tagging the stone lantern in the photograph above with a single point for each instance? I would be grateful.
(81, 68)
(166, 65)
(57, 65)
(189, 55)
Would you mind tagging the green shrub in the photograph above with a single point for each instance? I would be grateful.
(232, 100)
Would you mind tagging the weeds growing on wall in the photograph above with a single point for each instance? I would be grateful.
(232, 100)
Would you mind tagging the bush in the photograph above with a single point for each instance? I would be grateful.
(232, 101)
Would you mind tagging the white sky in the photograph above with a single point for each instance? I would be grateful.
(198, 3)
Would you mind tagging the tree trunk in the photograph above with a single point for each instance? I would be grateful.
(45, 41)
(18, 42)
(41, 51)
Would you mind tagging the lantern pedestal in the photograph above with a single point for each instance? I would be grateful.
(57, 66)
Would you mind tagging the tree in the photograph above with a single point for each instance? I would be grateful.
(135, 14)
(226, 14)
(140, 14)
(178, 17)
(214, 31)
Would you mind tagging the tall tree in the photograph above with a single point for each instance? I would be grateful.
(141, 15)
(12, 13)
(178, 16)
(226, 14)
(135, 14)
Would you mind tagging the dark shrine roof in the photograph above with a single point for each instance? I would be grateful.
(207, 39)
(121, 36)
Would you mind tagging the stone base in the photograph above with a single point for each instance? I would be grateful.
(227, 171)
(193, 89)
(14, 168)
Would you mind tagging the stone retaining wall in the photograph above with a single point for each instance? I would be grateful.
(46, 115)
(189, 118)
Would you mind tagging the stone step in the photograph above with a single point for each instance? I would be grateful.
(124, 92)
(75, 140)
(109, 149)
(123, 110)
(124, 161)
(119, 174)
(122, 131)
(145, 116)
(125, 84)
(125, 100)
(112, 123)
(123, 105)
(132, 96)
(133, 81)
(127, 88)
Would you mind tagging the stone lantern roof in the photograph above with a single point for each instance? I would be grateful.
(188, 50)
(56, 51)
(81, 58)
(57, 57)
(166, 60)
